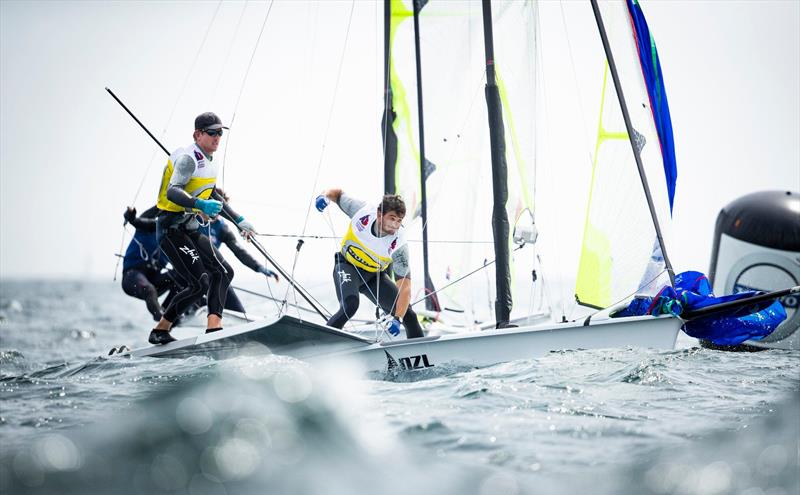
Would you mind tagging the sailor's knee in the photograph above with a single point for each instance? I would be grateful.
(228, 272)
(198, 285)
(130, 289)
(149, 291)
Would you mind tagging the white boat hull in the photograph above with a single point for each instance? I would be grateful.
(313, 342)
(496, 346)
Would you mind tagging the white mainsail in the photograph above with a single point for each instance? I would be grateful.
(618, 241)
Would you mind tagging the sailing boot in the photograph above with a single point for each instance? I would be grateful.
(160, 337)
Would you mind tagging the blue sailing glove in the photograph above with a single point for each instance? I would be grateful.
(269, 273)
(210, 207)
(321, 202)
(394, 327)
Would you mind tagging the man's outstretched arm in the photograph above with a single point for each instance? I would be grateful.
(346, 203)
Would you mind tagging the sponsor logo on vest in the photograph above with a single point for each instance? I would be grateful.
(364, 220)
(201, 161)
(367, 260)
(393, 245)
(191, 252)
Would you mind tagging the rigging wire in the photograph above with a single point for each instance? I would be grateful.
(244, 81)
(230, 50)
(535, 133)
(379, 331)
(330, 114)
(120, 257)
(325, 135)
(181, 92)
(485, 265)
(631, 294)
(308, 69)
(455, 148)
(316, 237)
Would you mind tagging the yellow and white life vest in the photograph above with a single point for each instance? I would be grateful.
(200, 185)
(362, 248)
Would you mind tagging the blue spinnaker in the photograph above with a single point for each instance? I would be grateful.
(654, 80)
(693, 291)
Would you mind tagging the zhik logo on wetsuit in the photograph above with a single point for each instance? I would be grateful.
(343, 276)
(191, 252)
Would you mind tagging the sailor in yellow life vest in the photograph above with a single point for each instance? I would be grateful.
(188, 190)
(374, 241)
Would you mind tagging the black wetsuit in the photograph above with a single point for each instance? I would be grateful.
(219, 234)
(197, 261)
(350, 281)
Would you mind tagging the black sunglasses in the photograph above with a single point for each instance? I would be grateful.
(213, 132)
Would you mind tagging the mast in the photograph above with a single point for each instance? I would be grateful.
(387, 121)
(500, 226)
(629, 127)
(432, 302)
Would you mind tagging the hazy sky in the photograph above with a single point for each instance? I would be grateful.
(71, 159)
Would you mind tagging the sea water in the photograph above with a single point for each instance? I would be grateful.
(616, 421)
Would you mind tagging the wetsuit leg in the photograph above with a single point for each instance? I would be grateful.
(411, 322)
(162, 282)
(387, 292)
(347, 282)
(220, 273)
(177, 285)
(135, 283)
(232, 302)
(186, 260)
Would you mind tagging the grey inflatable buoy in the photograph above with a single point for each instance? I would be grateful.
(757, 247)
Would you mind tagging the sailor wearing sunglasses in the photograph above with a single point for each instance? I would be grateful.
(188, 191)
